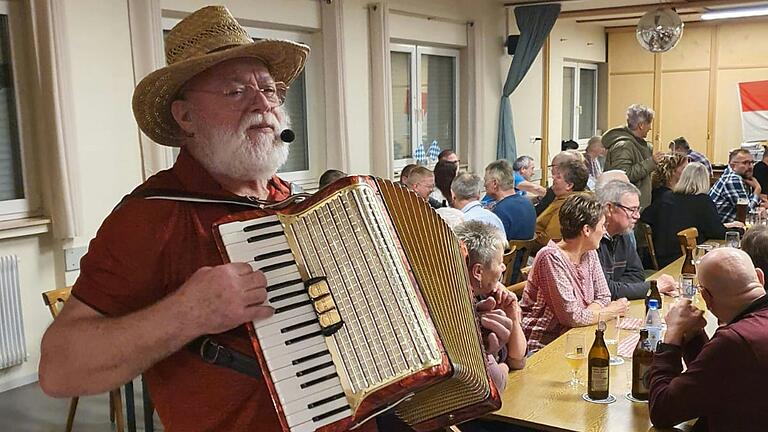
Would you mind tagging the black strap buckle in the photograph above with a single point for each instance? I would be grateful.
(205, 351)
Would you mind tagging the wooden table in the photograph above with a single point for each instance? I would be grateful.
(539, 396)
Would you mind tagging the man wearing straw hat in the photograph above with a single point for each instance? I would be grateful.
(153, 280)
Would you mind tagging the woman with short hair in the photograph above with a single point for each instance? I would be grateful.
(688, 205)
(566, 287)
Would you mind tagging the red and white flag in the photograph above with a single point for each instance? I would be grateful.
(754, 110)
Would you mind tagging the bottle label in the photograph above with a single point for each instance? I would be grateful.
(654, 336)
(599, 381)
(641, 384)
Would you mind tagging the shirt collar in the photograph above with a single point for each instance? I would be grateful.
(758, 304)
(470, 205)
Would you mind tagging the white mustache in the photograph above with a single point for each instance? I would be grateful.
(256, 119)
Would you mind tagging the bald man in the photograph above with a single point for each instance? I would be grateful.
(726, 380)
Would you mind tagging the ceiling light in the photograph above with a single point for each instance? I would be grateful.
(735, 13)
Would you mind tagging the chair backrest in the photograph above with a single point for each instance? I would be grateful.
(687, 238)
(518, 289)
(648, 234)
(509, 263)
(55, 299)
(523, 252)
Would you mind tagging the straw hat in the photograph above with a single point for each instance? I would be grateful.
(209, 36)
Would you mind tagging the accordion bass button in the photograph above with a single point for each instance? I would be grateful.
(330, 322)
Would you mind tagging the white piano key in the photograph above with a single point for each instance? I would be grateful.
(289, 389)
(311, 426)
(298, 298)
(276, 328)
(281, 350)
(307, 415)
(300, 405)
(283, 316)
(279, 360)
(282, 338)
(236, 226)
(290, 270)
(292, 370)
(235, 238)
(245, 252)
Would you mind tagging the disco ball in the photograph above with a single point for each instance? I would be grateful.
(659, 30)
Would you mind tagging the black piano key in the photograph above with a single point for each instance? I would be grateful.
(282, 285)
(282, 297)
(277, 266)
(329, 413)
(293, 327)
(325, 401)
(292, 306)
(313, 369)
(304, 337)
(309, 357)
(264, 236)
(269, 255)
(261, 225)
(319, 380)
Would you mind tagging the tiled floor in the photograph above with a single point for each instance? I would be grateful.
(28, 409)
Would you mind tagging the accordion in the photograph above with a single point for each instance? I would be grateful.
(373, 309)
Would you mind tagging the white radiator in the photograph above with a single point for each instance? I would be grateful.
(13, 347)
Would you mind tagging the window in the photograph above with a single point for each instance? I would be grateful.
(16, 199)
(429, 115)
(579, 101)
(304, 152)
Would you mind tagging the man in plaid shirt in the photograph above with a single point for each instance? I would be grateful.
(680, 145)
(736, 183)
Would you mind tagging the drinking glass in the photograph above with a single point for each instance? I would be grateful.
(611, 336)
(576, 355)
(732, 239)
(687, 286)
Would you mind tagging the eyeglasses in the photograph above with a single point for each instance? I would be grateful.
(241, 96)
(630, 211)
(746, 162)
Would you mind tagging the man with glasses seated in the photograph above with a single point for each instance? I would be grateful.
(618, 257)
(736, 183)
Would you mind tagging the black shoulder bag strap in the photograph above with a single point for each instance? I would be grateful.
(206, 346)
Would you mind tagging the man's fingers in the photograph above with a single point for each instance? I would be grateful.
(254, 297)
(261, 312)
(239, 268)
(486, 305)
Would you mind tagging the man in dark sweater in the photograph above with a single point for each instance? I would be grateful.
(618, 257)
(726, 376)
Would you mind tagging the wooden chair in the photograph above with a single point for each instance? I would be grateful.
(687, 238)
(55, 299)
(518, 289)
(509, 263)
(523, 252)
(648, 234)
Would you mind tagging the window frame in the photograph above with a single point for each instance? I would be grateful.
(314, 112)
(29, 205)
(417, 122)
(576, 108)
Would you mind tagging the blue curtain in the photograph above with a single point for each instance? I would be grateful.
(535, 23)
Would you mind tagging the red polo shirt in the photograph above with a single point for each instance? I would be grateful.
(144, 251)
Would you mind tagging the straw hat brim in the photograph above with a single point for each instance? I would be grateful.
(153, 95)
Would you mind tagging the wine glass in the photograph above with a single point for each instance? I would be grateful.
(699, 253)
(576, 355)
(732, 239)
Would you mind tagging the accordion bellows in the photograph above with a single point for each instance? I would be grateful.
(391, 326)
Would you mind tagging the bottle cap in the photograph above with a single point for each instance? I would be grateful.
(601, 326)
(653, 304)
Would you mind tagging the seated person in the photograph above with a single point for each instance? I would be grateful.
(448, 155)
(726, 376)
(498, 308)
(755, 244)
(666, 174)
(687, 206)
(405, 171)
(734, 184)
(680, 145)
(559, 158)
(445, 172)
(618, 256)
(566, 287)
(524, 168)
(422, 181)
(466, 189)
(592, 155)
(571, 177)
(330, 176)
(515, 211)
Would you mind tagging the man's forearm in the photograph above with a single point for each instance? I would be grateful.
(91, 354)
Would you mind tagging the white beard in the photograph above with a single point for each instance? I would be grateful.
(233, 154)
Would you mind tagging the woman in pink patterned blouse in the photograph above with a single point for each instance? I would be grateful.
(566, 287)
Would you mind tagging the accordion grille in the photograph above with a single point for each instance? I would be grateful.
(437, 261)
(386, 334)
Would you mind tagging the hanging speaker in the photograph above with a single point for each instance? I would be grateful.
(511, 44)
